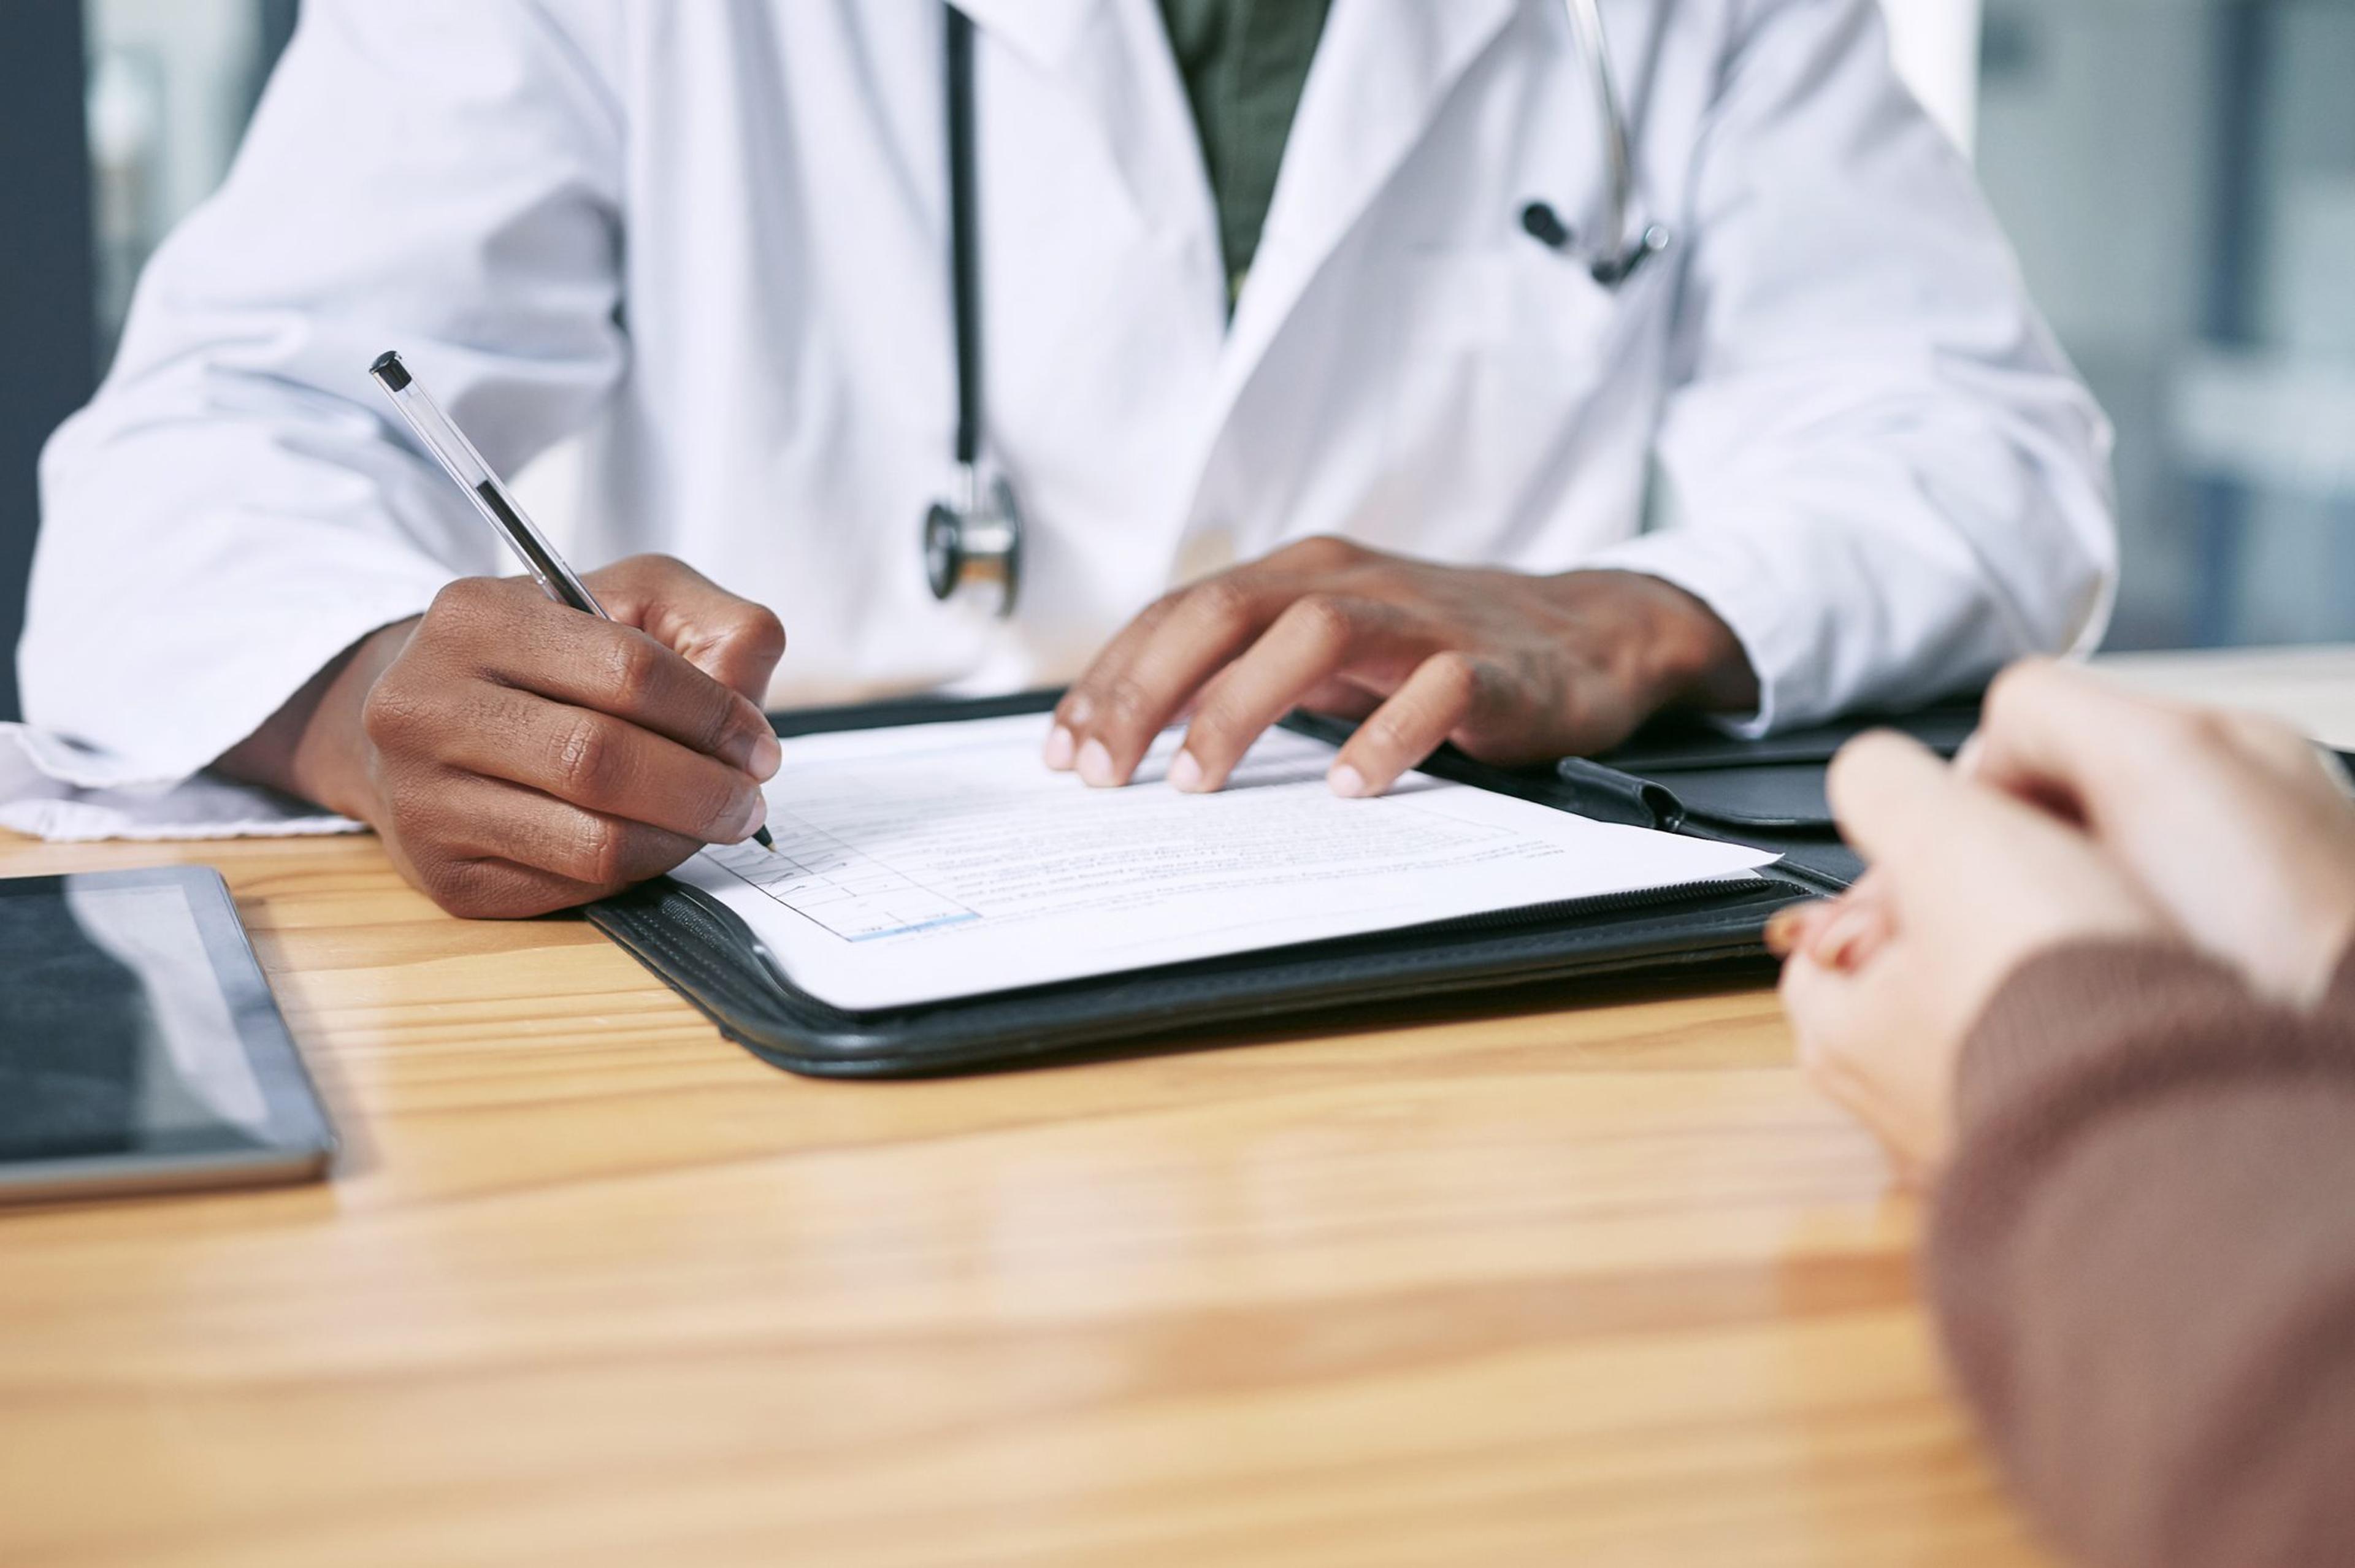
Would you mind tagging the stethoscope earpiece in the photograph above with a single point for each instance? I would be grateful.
(1613, 271)
(1544, 225)
(1616, 258)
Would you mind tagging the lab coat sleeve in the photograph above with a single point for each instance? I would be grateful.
(1880, 469)
(235, 506)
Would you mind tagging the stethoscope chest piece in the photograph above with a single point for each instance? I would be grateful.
(973, 547)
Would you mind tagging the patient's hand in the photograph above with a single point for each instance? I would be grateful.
(1967, 883)
(2235, 824)
(518, 756)
(1509, 667)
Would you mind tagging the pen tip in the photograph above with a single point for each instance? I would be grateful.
(761, 836)
(389, 369)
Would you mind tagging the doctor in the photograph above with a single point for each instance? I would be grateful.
(1329, 355)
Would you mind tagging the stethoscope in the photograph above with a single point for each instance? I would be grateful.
(973, 542)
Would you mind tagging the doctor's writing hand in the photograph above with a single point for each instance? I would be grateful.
(518, 756)
(1511, 667)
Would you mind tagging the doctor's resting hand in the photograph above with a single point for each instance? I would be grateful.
(517, 756)
(2097, 994)
(1511, 667)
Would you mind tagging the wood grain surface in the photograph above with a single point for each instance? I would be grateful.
(1599, 1284)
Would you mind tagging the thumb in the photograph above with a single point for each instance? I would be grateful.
(734, 641)
(1892, 796)
(1929, 833)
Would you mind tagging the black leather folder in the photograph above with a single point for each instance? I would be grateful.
(1690, 780)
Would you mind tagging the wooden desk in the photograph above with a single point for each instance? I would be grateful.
(1607, 1284)
(1601, 1286)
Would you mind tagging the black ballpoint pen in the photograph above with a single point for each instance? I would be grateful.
(459, 459)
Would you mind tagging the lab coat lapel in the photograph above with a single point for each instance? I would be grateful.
(1383, 72)
(1113, 58)
(1044, 31)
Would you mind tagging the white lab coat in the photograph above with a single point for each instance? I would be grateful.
(711, 233)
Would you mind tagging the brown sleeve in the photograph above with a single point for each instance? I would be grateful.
(2143, 1260)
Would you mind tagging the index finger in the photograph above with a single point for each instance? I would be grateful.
(2087, 749)
(733, 640)
(1139, 684)
(585, 662)
(1920, 826)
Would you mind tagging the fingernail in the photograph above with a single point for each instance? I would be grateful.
(1060, 747)
(1186, 774)
(1095, 766)
(1345, 780)
(753, 750)
(754, 815)
(1849, 938)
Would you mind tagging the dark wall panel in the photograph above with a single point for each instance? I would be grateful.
(46, 352)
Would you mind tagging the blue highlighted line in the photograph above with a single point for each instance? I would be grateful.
(923, 925)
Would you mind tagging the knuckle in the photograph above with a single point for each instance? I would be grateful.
(2015, 692)
(1440, 698)
(718, 803)
(644, 570)
(1222, 601)
(716, 719)
(462, 602)
(1458, 671)
(1395, 739)
(1217, 730)
(1126, 701)
(392, 714)
(470, 889)
(1451, 681)
(628, 677)
(762, 631)
(1324, 619)
(1323, 552)
(409, 806)
(587, 756)
(2260, 735)
(2198, 730)
(599, 852)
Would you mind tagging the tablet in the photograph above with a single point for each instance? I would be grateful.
(140, 1047)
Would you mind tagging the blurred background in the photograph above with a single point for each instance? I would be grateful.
(2178, 175)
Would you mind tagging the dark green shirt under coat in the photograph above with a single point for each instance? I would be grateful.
(1244, 63)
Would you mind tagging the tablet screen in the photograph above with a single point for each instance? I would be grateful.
(119, 1034)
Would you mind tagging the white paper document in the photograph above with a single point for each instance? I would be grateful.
(940, 861)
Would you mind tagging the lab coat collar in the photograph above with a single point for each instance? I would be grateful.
(1382, 73)
(1113, 58)
(1044, 31)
